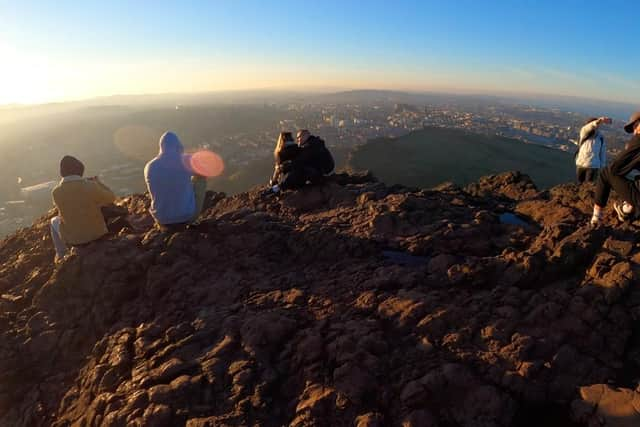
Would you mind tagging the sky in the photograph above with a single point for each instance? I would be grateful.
(63, 50)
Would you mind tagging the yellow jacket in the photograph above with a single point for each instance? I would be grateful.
(79, 201)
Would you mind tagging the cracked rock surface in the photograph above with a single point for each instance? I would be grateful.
(348, 304)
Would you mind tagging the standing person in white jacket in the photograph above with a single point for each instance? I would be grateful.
(592, 150)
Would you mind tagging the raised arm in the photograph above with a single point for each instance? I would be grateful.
(588, 129)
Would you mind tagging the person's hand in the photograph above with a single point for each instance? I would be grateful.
(93, 178)
(606, 120)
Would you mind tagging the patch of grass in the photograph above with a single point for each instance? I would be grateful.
(434, 155)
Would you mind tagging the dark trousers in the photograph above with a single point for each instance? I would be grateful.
(625, 188)
(586, 175)
(115, 218)
(298, 177)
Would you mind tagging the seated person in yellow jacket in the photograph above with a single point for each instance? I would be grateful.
(79, 202)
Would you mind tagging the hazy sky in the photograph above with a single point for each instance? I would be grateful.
(61, 50)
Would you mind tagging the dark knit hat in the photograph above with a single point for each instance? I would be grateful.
(69, 165)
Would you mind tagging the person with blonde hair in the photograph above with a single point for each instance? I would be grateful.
(286, 148)
(284, 155)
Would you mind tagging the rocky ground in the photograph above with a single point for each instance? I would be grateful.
(349, 304)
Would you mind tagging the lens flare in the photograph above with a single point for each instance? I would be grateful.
(205, 163)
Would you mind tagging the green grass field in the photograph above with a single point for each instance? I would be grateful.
(434, 155)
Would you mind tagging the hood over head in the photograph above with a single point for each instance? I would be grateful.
(170, 144)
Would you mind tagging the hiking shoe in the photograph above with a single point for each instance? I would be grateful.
(271, 191)
(622, 215)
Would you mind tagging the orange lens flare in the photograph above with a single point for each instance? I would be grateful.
(205, 163)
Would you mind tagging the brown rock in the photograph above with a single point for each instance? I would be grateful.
(616, 407)
(419, 418)
(316, 398)
(283, 310)
(157, 416)
(370, 419)
(160, 394)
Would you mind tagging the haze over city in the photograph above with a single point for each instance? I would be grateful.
(67, 50)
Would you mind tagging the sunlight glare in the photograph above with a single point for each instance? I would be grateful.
(23, 79)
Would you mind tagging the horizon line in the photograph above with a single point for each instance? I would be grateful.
(322, 90)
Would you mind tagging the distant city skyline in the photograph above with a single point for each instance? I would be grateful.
(64, 50)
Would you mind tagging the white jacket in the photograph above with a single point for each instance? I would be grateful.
(592, 151)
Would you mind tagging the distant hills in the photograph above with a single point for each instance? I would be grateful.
(434, 155)
(586, 106)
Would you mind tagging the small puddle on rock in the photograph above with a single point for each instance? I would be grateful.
(512, 219)
(404, 258)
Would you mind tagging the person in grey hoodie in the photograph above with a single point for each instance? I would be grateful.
(592, 150)
(177, 192)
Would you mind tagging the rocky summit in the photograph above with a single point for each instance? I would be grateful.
(348, 304)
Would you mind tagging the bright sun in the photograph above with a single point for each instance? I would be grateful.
(24, 79)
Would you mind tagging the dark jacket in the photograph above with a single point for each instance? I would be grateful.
(629, 159)
(314, 154)
(288, 153)
(284, 162)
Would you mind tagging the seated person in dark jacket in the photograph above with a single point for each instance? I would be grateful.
(314, 154)
(623, 175)
(285, 153)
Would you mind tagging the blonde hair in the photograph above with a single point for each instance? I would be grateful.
(282, 142)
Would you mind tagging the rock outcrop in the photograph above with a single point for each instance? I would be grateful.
(348, 304)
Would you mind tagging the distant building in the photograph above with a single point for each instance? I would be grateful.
(39, 192)
(287, 125)
(13, 207)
